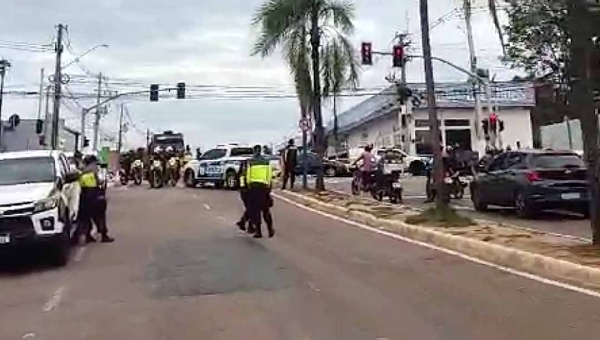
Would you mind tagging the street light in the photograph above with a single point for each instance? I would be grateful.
(83, 55)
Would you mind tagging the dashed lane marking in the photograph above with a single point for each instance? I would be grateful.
(54, 300)
(515, 272)
(206, 206)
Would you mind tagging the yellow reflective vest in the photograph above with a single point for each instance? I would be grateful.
(88, 180)
(259, 171)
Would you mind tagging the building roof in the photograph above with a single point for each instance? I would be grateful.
(448, 96)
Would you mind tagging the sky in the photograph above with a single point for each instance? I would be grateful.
(207, 44)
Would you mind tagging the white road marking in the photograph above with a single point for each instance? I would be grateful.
(529, 276)
(54, 300)
(79, 254)
(206, 206)
(28, 336)
(313, 287)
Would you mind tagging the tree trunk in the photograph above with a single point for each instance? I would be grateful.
(335, 123)
(305, 113)
(318, 143)
(582, 103)
(434, 130)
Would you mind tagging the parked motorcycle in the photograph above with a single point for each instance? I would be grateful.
(137, 171)
(123, 177)
(358, 185)
(156, 174)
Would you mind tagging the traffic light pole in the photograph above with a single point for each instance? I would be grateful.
(97, 116)
(4, 64)
(57, 87)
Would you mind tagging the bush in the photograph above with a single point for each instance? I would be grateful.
(447, 218)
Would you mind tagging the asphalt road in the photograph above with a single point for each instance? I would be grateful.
(548, 221)
(180, 270)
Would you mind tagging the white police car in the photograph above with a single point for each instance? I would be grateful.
(218, 166)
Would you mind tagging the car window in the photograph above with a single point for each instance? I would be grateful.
(497, 163)
(554, 161)
(214, 154)
(515, 160)
(27, 170)
(237, 152)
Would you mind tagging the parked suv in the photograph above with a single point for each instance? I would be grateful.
(533, 180)
(39, 201)
(218, 166)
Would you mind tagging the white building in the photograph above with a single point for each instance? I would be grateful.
(24, 137)
(384, 122)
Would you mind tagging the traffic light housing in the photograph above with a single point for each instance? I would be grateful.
(86, 142)
(485, 126)
(180, 90)
(398, 56)
(367, 53)
(154, 93)
(39, 126)
(500, 125)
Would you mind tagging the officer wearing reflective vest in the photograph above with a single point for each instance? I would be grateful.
(259, 175)
(92, 203)
(241, 179)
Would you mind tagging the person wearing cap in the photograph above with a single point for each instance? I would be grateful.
(259, 176)
(92, 203)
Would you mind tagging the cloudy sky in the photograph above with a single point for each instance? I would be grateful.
(206, 44)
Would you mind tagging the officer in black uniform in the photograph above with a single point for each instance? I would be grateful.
(92, 203)
(259, 176)
(241, 178)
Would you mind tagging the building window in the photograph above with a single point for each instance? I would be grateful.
(423, 123)
(457, 122)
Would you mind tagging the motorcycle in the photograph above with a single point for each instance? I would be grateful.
(173, 171)
(123, 177)
(156, 174)
(387, 183)
(358, 185)
(137, 171)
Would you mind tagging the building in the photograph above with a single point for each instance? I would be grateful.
(24, 137)
(384, 122)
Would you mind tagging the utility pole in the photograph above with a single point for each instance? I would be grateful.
(120, 139)
(57, 86)
(404, 108)
(4, 65)
(434, 130)
(473, 63)
(97, 117)
(47, 116)
(41, 100)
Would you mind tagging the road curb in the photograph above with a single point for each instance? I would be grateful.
(532, 263)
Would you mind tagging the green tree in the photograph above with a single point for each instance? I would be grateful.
(299, 27)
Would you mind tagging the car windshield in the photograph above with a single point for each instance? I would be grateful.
(27, 170)
(236, 152)
(556, 161)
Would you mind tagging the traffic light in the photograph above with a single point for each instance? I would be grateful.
(493, 122)
(86, 142)
(154, 93)
(180, 90)
(39, 126)
(367, 53)
(485, 126)
(500, 125)
(398, 56)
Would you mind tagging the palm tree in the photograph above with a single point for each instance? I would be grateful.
(492, 6)
(299, 27)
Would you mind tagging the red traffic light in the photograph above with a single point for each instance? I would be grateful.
(367, 53)
(398, 56)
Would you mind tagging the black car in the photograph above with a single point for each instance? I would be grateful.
(533, 180)
(332, 168)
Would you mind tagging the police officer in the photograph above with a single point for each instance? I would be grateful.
(241, 175)
(290, 157)
(259, 175)
(92, 203)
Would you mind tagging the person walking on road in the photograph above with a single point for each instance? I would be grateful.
(259, 176)
(290, 159)
(92, 203)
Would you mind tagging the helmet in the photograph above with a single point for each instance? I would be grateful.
(169, 149)
(157, 149)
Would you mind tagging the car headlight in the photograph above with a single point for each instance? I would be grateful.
(46, 204)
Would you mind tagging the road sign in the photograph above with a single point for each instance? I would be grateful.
(305, 124)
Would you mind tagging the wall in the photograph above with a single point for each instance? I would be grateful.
(24, 137)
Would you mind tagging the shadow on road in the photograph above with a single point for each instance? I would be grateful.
(19, 262)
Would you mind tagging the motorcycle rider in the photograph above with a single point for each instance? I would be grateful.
(171, 155)
(448, 171)
(368, 165)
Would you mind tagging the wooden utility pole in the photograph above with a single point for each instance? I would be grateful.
(434, 130)
(97, 116)
(582, 101)
(120, 139)
(57, 87)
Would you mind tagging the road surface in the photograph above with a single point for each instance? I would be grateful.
(554, 222)
(179, 269)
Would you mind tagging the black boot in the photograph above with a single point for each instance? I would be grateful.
(241, 225)
(271, 232)
(107, 239)
(90, 239)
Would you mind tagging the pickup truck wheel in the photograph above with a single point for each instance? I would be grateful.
(330, 172)
(230, 182)
(189, 180)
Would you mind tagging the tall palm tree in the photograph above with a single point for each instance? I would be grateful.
(299, 26)
(492, 6)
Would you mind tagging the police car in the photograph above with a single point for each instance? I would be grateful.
(39, 201)
(218, 166)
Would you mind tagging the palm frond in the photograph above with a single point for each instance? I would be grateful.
(493, 8)
(341, 12)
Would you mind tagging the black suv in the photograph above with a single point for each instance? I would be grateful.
(533, 180)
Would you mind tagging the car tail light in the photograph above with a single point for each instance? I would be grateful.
(533, 176)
